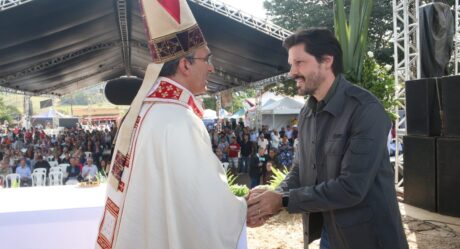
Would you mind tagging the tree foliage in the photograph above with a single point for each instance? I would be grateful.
(379, 80)
(8, 112)
(294, 14)
(209, 103)
(89, 96)
(376, 78)
(239, 97)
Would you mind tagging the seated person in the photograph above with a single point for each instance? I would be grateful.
(24, 171)
(73, 171)
(40, 163)
(89, 169)
(5, 167)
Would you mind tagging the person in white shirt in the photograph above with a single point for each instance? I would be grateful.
(262, 142)
(275, 136)
(89, 170)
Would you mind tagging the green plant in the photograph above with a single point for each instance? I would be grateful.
(237, 189)
(352, 34)
(277, 177)
(379, 80)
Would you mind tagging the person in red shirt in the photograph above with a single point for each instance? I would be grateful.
(42, 135)
(233, 153)
(28, 136)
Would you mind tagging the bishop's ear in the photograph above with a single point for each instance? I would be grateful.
(184, 66)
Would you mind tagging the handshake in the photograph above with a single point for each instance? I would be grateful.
(262, 204)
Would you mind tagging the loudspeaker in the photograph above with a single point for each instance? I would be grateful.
(451, 105)
(122, 91)
(422, 108)
(448, 176)
(420, 171)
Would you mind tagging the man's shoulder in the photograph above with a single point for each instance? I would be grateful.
(363, 96)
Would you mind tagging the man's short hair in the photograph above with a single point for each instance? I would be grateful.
(318, 42)
(170, 68)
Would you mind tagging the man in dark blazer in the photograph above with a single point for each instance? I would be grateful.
(341, 180)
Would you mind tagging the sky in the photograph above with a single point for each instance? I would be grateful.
(254, 7)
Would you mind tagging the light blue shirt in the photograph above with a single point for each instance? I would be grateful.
(92, 170)
(23, 172)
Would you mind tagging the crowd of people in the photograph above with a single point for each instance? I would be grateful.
(87, 152)
(24, 150)
(255, 151)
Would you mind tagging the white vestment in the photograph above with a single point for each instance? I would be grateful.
(174, 193)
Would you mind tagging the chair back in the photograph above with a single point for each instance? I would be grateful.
(53, 163)
(63, 167)
(39, 179)
(12, 177)
(88, 154)
(50, 158)
(55, 169)
(39, 170)
(56, 178)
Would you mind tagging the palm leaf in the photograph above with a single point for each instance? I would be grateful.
(352, 34)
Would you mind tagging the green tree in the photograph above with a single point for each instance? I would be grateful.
(88, 96)
(8, 112)
(239, 97)
(351, 33)
(209, 103)
(379, 80)
(293, 14)
(287, 87)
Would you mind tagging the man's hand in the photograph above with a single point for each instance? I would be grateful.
(262, 204)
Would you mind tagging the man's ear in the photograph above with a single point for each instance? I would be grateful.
(327, 60)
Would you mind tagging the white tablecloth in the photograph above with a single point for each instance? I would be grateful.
(57, 217)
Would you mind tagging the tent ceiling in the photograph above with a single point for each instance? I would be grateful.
(56, 47)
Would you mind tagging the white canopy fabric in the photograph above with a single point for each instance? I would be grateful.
(278, 112)
(51, 113)
(285, 105)
(209, 114)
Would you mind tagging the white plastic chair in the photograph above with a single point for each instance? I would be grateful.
(12, 177)
(225, 165)
(56, 178)
(39, 170)
(50, 158)
(88, 154)
(38, 179)
(53, 163)
(55, 169)
(63, 167)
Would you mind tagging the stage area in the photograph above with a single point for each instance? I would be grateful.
(50, 217)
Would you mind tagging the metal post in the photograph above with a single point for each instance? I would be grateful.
(27, 112)
(407, 65)
(258, 107)
(218, 107)
(457, 36)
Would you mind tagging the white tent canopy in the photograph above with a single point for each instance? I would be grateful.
(50, 113)
(280, 113)
(285, 105)
(209, 114)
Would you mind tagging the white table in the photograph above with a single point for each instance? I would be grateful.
(50, 217)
